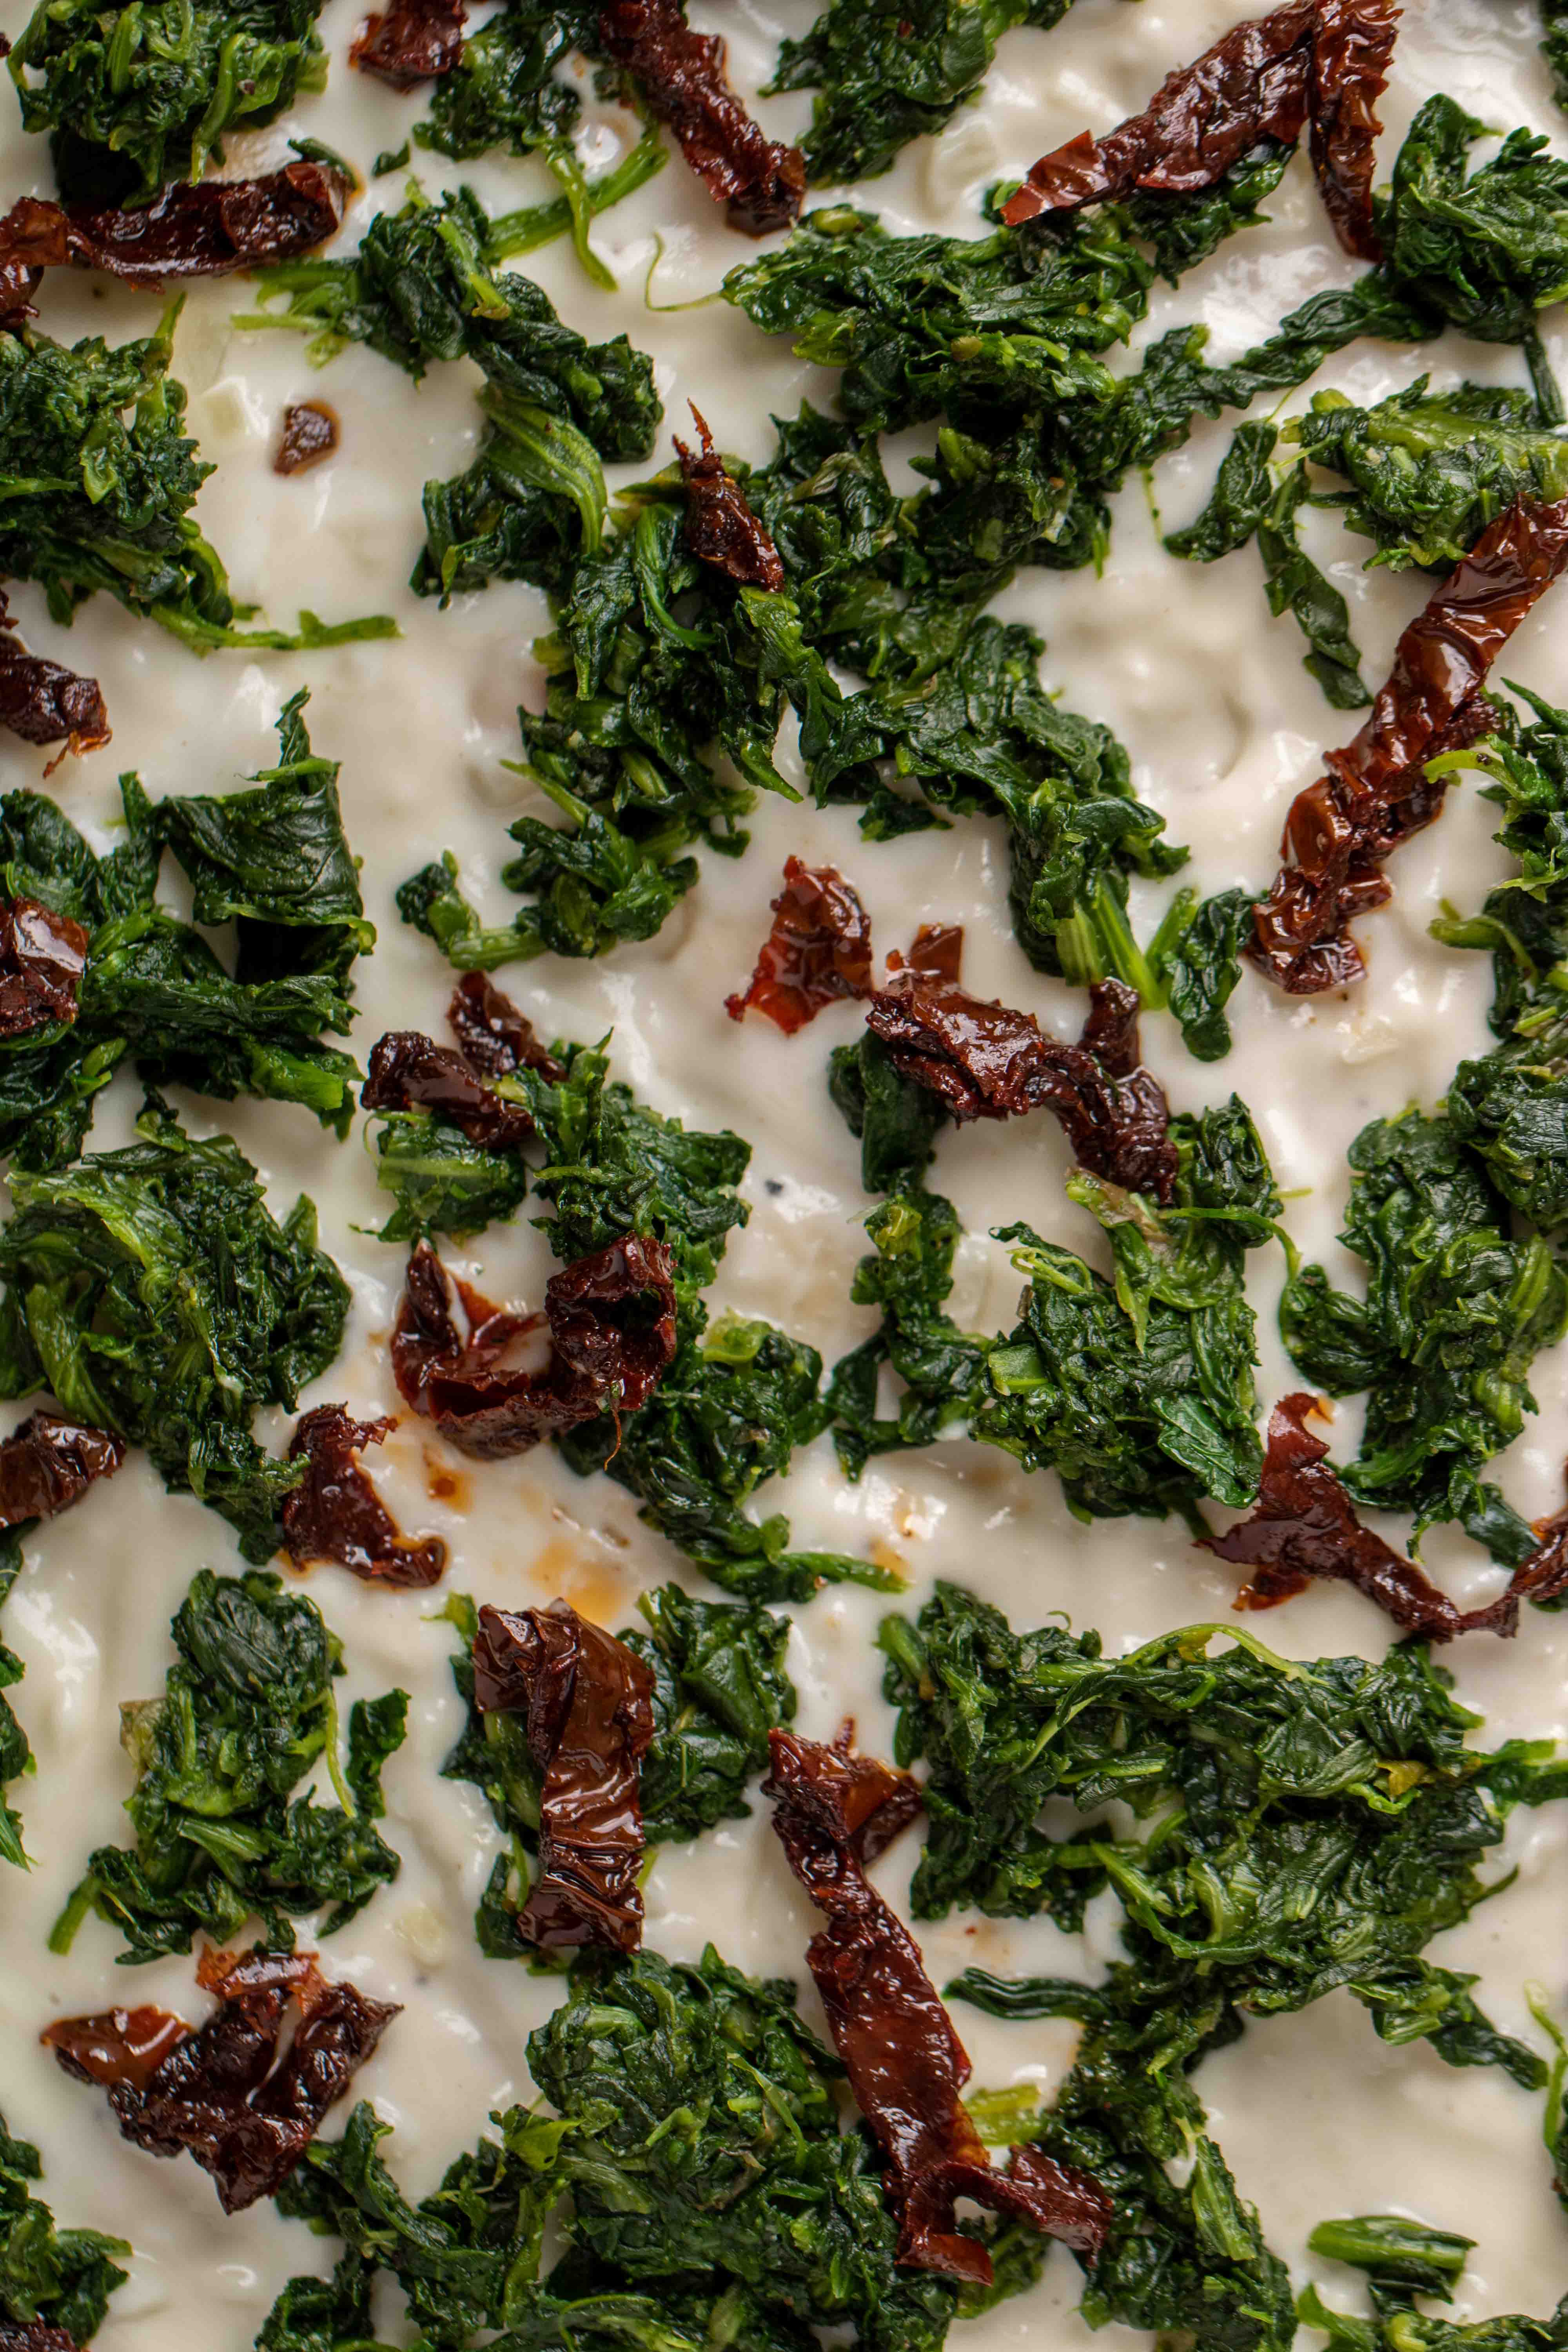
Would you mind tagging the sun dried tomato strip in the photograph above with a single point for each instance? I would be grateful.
(588, 1702)
(936, 952)
(819, 951)
(1320, 61)
(42, 957)
(611, 1317)
(44, 702)
(495, 1037)
(987, 1061)
(200, 231)
(220, 2090)
(415, 41)
(835, 1812)
(408, 1071)
(720, 529)
(36, 2336)
(336, 1514)
(680, 75)
(310, 433)
(1376, 791)
(49, 1463)
(1304, 1529)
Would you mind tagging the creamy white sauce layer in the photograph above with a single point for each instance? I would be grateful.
(1315, 2115)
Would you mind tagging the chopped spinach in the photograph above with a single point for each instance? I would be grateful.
(49, 2278)
(247, 1710)
(1511, 1105)
(1456, 1308)
(15, 1755)
(98, 477)
(1554, 48)
(1137, 1391)
(273, 861)
(636, 699)
(138, 94)
(1317, 1824)
(421, 287)
(1405, 2262)
(892, 71)
(1196, 955)
(712, 2198)
(720, 1686)
(152, 1291)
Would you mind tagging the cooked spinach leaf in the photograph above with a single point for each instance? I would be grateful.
(720, 1686)
(636, 700)
(421, 287)
(712, 2199)
(1317, 1824)
(1405, 2262)
(1456, 1308)
(49, 2278)
(247, 1711)
(273, 861)
(1510, 1105)
(891, 72)
(136, 95)
(15, 1755)
(98, 477)
(152, 1291)
(1137, 1391)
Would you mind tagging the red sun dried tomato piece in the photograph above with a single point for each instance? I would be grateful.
(588, 1701)
(200, 231)
(48, 1464)
(336, 1514)
(834, 1811)
(987, 1061)
(720, 529)
(1376, 791)
(408, 1071)
(819, 951)
(494, 1036)
(1304, 1528)
(221, 2090)
(611, 1317)
(1322, 62)
(415, 41)
(42, 957)
(680, 75)
(44, 702)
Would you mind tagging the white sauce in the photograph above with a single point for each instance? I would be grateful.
(1315, 2115)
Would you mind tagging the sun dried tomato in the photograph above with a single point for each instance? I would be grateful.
(44, 702)
(494, 1036)
(408, 1071)
(415, 41)
(588, 1702)
(310, 433)
(680, 75)
(42, 957)
(720, 529)
(48, 1464)
(834, 1811)
(336, 1514)
(1376, 791)
(819, 951)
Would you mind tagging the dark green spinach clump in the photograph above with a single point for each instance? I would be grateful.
(422, 289)
(698, 2169)
(1320, 1824)
(1426, 474)
(273, 861)
(719, 1687)
(1510, 1105)
(1137, 1391)
(1404, 2263)
(100, 478)
(137, 95)
(893, 71)
(49, 2278)
(1456, 1307)
(656, 662)
(247, 1710)
(15, 1755)
(152, 1291)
